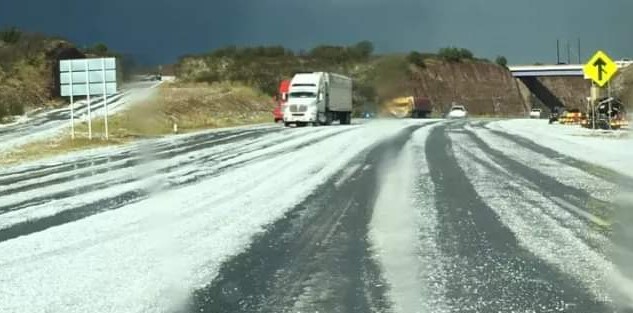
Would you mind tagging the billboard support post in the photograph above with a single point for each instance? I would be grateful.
(105, 97)
(88, 99)
(72, 105)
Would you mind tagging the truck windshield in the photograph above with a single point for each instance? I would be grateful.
(302, 94)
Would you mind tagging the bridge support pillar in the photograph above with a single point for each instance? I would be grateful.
(539, 90)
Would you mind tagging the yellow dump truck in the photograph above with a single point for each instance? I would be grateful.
(405, 107)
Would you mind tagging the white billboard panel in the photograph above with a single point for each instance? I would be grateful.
(73, 75)
(95, 89)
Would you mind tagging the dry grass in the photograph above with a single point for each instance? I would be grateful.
(192, 106)
(200, 106)
(57, 146)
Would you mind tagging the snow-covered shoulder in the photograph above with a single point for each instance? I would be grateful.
(609, 149)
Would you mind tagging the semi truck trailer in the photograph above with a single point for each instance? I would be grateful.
(319, 98)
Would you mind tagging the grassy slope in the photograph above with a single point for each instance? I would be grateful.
(377, 79)
(193, 106)
(26, 74)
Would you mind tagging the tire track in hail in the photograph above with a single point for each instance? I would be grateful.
(486, 268)
(159, 146)
(549, 185)
(135, 195)
(103, 184)
(316, 258)
(593, 169)
(213, 158)
(161, 154)
(598, 243)
(163, 151)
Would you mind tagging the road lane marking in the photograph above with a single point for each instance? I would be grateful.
(347, 173)
(590, 217)
(336, 224)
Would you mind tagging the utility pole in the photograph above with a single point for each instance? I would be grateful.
(579, 58)
(557, 51)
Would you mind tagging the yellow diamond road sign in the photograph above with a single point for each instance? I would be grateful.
(600, 68)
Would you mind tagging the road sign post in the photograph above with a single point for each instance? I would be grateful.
(600, 69)
(609, 98)
(593, 111)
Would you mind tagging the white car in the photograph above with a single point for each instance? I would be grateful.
(457, 111)
(535, 113)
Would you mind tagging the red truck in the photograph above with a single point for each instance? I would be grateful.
(422, 107)
(281, 98)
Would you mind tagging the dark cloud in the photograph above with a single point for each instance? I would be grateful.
(161, 30)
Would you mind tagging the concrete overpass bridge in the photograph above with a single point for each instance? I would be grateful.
(559, 70)
(530, 74)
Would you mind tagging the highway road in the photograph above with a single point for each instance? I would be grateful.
(380, 216)
(49, 123)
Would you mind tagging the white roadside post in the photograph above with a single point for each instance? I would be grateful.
(105, 97)
(588, 110)
(72, 102)
(88, 99)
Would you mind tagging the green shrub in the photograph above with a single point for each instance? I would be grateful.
(99, 49)
(362, 50)
(10, 35)
(454, 55)
(502, 61)
(417, 59)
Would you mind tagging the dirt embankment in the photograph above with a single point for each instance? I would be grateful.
(484, 88)
(623, 87)
(489, 89)
(571, 91)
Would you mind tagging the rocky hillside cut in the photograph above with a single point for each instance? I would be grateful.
(484, 88)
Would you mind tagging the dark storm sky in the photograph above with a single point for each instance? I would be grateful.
(158, 31)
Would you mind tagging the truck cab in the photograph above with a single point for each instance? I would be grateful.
(305, 99)
(281, 98)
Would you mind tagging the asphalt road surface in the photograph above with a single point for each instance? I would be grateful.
(383, 216)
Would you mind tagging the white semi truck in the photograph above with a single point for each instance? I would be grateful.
(319, 98)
